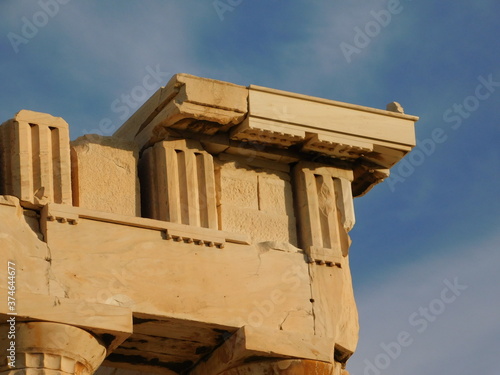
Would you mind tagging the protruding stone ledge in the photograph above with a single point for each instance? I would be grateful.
(286, 367)
(172, 231)
(341, 130)
(256, 116)
(182, 103)
(250, 344)
(112, 323)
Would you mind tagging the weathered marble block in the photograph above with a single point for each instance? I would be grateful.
(104, 174)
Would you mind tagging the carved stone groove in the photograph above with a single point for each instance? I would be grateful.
(325, 211)
(179, 179)
(35, 158)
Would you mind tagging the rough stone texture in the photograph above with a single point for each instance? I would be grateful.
(334, 307)
(105, 370)
(262, 351)
(256, 200)
(155, 276)
(242, 266)
(285, 367)
(21, 242)
(395, 107)
(104, 173)
(186, 298)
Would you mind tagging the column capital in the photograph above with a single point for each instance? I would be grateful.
(45, 348)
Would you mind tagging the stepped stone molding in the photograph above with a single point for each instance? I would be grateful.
(44, 348)
(187, 102)
(68, 215)
(220, 112)
(35, 158)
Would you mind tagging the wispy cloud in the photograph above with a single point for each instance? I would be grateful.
(464, 328)
(105, 50)
(427, 58)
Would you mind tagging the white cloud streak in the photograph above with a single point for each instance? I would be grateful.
(456, 340)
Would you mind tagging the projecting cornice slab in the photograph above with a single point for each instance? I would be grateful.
(230, 116)
(187, 103)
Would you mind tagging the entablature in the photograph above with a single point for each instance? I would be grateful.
(372, 139)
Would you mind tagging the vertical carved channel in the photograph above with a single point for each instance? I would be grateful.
(35, 158)
(324, 211)
(178, 184)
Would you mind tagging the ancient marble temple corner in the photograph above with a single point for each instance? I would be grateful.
(208, 236)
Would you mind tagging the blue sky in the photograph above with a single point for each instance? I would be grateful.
(438, 222)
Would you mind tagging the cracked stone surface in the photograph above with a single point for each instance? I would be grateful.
(104, 173)
(208, 236)
(22, 245)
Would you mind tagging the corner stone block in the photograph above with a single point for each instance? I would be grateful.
(325, 212)
(35, 158)
(104, 173)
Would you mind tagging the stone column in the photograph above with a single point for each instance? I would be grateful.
(43, 348)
